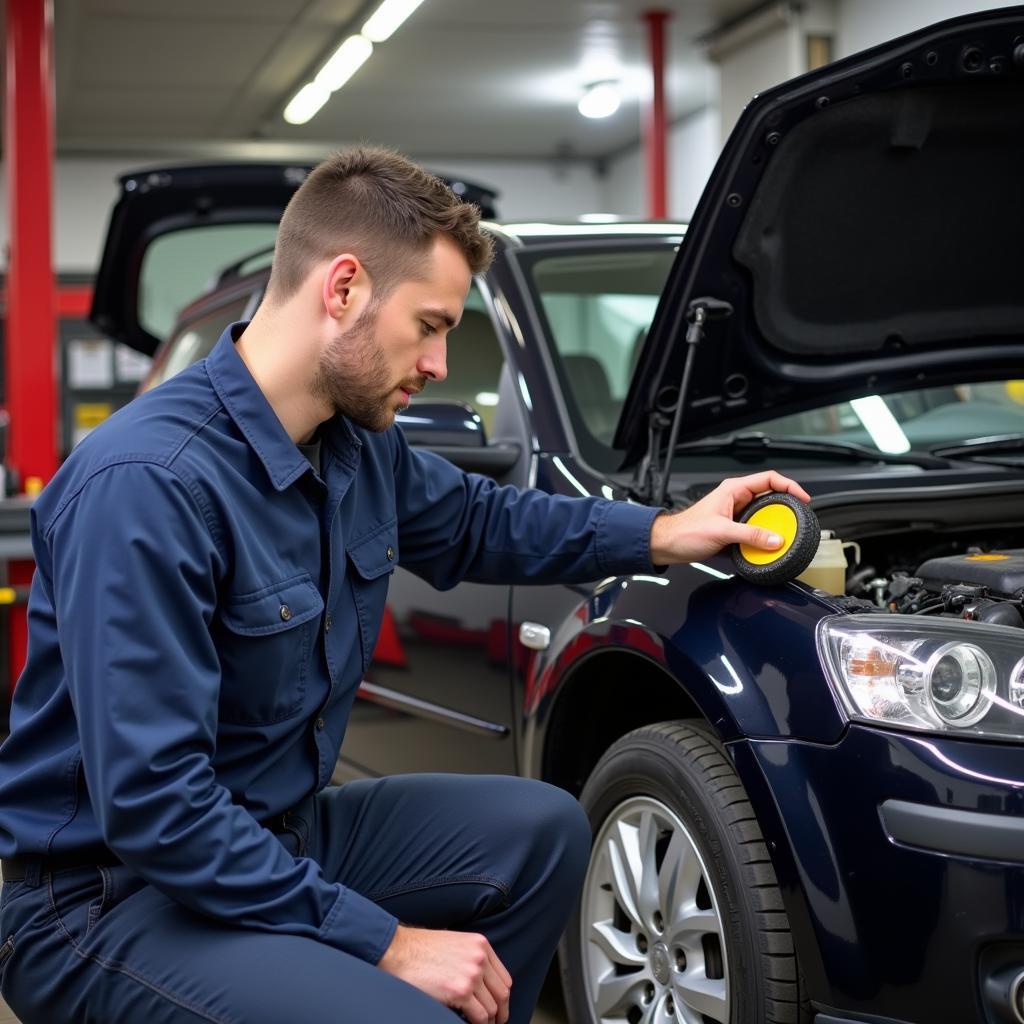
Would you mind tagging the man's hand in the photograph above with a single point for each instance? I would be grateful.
(707, 526)
(458, 969)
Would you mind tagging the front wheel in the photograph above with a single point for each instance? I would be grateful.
(680, 920)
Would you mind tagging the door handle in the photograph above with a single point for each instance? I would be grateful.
(535, 636)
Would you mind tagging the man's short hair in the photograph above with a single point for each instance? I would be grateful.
(382, 208)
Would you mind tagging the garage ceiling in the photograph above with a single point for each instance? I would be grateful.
(460, 79)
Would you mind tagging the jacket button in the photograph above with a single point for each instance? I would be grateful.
(328, 622)
(286, 612)
(319, 724)
(390, 553)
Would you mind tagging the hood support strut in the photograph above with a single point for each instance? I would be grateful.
(698, 313)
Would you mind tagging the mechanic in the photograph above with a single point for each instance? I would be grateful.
(212, 565)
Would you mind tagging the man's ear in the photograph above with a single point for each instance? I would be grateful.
(345, 287)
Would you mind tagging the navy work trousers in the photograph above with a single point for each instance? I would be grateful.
(490, 854)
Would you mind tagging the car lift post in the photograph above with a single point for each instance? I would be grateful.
(31, 381)
(656, 125)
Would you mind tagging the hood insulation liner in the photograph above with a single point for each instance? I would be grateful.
(893, 222)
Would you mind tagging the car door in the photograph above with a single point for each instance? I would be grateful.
(437, 695)
(179, 232)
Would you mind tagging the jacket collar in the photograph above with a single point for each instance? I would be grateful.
(248, 407)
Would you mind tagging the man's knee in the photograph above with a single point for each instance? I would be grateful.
(559, 828)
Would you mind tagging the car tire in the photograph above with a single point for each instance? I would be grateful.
(680, 902)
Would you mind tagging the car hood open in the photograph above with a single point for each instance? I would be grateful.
(157, 202)
(865, 223)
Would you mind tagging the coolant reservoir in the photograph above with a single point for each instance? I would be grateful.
(827, 570)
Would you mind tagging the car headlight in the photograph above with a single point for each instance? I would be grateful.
(932, 674)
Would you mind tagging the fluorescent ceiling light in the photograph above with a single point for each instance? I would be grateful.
(345, 62)
(880, 423)
(306, 102)
(488, 398)
(598, 218)
(348, 59)
(600, 100)
(383, 22)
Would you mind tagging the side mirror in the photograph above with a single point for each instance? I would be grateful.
(455, 431)
(428, 424)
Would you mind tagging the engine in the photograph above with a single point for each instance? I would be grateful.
(981, 586)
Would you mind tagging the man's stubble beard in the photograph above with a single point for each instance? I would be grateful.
(353, 376)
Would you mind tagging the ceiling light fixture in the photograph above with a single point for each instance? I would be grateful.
(383, 22)
(306, 102)
(345, 62)
(601, 99)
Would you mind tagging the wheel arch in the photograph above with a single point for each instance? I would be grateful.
(588, 715)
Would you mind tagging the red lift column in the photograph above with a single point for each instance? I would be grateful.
(656, 126)
(31, 381)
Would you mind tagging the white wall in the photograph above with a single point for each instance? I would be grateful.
(759, 64)
(534, 189)
(85, 189)
(864, 23)
(766, 48)
(692, 152)
(696, 141)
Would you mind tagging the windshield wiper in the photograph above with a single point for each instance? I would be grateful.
(993, 444)
(982, 447)
(755, 442)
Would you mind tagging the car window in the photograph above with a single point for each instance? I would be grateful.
(195, 340)
(181, 265)
(598, 307)
(475, 360)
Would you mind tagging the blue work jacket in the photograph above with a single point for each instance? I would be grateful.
(203, 609)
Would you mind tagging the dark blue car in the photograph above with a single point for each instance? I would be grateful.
(807, 799)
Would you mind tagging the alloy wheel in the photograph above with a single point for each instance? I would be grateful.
(651, 929)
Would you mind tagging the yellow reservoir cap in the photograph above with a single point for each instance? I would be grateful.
(1015, 389)
(778, 519)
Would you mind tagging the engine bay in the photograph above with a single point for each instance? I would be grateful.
(973, 578)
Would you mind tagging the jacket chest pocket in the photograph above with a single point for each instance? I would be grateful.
(267, 642)
(373, 559)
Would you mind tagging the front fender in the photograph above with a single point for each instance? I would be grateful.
(744, 655)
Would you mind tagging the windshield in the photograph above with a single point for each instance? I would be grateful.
(598, 306)
(183, 264)
(911, 420)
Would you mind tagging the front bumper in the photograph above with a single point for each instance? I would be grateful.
(901, 858)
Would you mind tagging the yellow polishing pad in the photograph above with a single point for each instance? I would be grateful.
(779, 519)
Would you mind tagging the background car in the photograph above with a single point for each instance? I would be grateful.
(806, 805)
